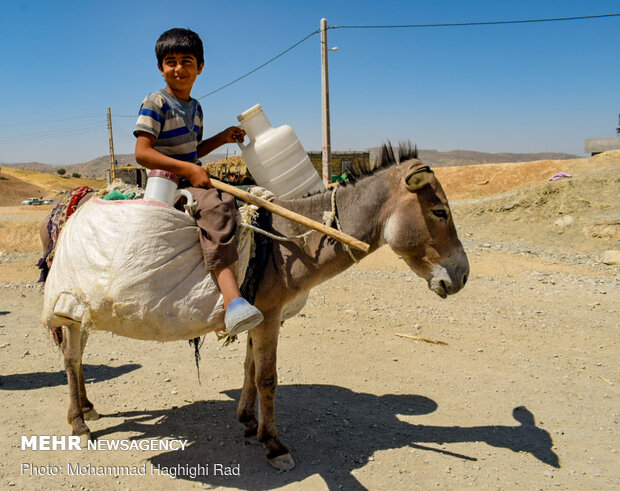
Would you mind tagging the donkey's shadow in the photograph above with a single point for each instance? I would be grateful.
(331, 431)
(39, 380)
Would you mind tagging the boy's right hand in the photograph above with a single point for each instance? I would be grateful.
(199, 177)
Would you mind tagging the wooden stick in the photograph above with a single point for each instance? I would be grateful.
(290, 215)
(417, 338)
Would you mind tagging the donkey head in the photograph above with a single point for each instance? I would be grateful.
(419, 225)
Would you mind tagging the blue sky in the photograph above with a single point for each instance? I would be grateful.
(515, 88)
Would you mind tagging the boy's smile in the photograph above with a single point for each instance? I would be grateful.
(180, 72)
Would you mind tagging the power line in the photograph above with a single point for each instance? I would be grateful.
(124, 133)
(487, 23)
(244, 75)
(52, 137)
(52, 133)
(394, 26)
(52, 130)
(456, 24)
(261, 66)
(28, 123)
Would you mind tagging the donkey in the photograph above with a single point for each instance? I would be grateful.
(399, 203)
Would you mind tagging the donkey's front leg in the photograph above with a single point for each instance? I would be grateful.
(264, 348)
(72, 348)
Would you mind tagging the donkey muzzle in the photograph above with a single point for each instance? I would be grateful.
(446, 281)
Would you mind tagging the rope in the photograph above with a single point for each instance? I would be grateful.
(328, 218)
(334, 216)
(281, 238)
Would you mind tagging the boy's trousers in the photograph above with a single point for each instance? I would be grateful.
(216, 216)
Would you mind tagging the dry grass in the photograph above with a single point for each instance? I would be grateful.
(19, 225)
(51, 182)
(477, 181)
(222, 168)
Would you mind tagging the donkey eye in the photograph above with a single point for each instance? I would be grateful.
(443, 214)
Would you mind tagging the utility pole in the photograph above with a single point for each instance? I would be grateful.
(112, 173)
(326, 140)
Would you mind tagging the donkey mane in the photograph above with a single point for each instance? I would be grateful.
(388, 157)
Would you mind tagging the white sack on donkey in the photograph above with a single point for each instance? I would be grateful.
(134, 269)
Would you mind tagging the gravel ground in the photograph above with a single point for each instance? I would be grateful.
(516, 385)
(523, 393)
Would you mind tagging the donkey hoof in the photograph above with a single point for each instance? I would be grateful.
(84, 439)
(282, 462)
(91, 415)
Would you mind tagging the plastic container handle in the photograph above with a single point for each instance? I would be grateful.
(190, 199)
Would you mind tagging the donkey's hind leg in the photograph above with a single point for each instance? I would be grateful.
(72, 348)
(88, 409)
(246, 412)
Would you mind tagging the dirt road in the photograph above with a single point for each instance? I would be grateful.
(523, 394)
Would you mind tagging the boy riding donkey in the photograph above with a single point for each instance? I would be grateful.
(169, 137)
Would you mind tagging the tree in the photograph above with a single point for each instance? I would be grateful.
(75, 174)
(61, 171)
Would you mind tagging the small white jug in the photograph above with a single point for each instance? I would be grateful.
(162, 186)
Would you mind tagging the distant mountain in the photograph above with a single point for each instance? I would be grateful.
(469, 157)
(33, 166)
(93, 169)
(451, 158)
(98, 167)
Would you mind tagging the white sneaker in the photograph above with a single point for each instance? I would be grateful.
(241, 316)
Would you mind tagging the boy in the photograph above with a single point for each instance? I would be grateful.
(169, 137)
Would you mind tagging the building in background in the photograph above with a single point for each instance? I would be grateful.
(342, 162)
(598, 145)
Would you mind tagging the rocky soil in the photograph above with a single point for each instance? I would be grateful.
(512, 383)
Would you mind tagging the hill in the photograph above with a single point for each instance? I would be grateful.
(517, 204)
(469, 157)
(32, 166)
(13, 191)
(16, 185)
(459, 158)
(511, 202)
(478, 181)
(97, 168)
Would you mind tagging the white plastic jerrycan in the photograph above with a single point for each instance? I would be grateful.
(162, 186)
(276, 158)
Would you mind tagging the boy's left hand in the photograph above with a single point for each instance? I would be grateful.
(234, 134)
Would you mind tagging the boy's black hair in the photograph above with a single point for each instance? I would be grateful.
(179, 40)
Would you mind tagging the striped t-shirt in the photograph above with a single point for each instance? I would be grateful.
(176, 124)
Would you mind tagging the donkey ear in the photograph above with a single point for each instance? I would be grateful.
(418, 178)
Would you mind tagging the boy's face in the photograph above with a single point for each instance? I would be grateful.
(180, 71)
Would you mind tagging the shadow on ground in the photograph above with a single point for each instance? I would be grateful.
(4, 312)
(330, 431)
(38, 380)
